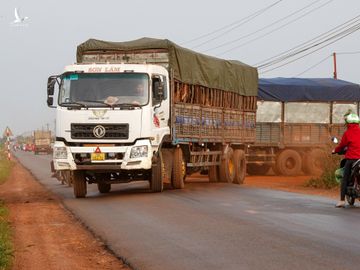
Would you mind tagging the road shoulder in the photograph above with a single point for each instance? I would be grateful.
(45, 234)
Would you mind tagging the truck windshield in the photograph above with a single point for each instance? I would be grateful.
(103, 89)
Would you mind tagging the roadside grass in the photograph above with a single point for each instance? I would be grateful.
(327, 178)
(6, 248)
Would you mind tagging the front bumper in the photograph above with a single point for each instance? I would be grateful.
(117, 158)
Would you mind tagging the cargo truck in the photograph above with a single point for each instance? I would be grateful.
(296, 117)
(42, 142)
(196, 113)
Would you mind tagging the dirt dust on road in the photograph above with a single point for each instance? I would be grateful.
(295, 184)
(45, 234)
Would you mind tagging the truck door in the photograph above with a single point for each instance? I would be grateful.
(160, 107)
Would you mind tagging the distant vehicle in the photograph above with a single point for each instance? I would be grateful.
(29, 147)
(151, 110)
(42, 142)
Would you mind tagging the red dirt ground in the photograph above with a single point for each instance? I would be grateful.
(46, 236)
(292, 184)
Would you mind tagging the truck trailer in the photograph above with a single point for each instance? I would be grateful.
(296, 117)
(193, 113)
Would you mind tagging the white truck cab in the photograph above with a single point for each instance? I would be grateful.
(110, 120)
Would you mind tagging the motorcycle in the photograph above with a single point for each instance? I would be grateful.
(353, 185)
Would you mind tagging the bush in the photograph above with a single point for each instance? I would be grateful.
(327, 178)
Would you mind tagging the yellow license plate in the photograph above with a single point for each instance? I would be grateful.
(97, 156)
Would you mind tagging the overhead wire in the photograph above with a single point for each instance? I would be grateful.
(306, 43)
(323, 60)
(355, 28)
(271, 31)
(235, 24)
(265, 27)
(342, 53)
(333, 33)
(313, 66)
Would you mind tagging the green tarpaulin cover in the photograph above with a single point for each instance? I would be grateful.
(188, 66)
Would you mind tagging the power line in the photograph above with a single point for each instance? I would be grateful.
(342, 53)
(331, 34)
(356, 28)
(278, 28)
(238, 25)
(315, 65)
(263, 28)
(309, 42)
(234, 24)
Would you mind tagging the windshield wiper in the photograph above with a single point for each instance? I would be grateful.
(98, 102)
(72, 103)
(127, 105)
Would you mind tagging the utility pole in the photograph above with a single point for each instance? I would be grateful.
(335, 70)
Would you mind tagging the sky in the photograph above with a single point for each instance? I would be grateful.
(249, 31)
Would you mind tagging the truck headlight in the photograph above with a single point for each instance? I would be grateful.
(139, 151)
(60, 153)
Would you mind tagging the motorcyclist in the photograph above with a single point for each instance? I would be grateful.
(351, 141)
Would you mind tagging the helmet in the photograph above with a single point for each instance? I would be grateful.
(352, 118)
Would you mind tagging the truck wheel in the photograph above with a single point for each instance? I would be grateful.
(179, 169)
(157, 174)
(258, 169)
(313, 162)
(104, 188)
(350, 199)
(289, 162)
(79, 184)
(69, 178)
(213, 174)
(240, 166)
(227, 168)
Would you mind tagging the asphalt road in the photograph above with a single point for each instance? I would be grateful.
(213, 226)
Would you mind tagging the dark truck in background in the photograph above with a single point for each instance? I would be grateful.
(296, 117)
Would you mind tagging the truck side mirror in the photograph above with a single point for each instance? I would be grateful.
(51, 85)
(52, 80)
(159, 90)
(50, 101)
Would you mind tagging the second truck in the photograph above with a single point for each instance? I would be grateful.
(42, 141)
(196, 113)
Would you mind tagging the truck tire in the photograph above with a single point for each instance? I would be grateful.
(240, 166)
(313, 162)
(213, 174)
(66, 177)
(79, 184)
(288, 162)
(350, 200)
(179, 169)
(227, 168)
(258, 169)
(104, 188)
(157, 174)
(69, 178)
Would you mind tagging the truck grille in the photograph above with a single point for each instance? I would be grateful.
(112, 131)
